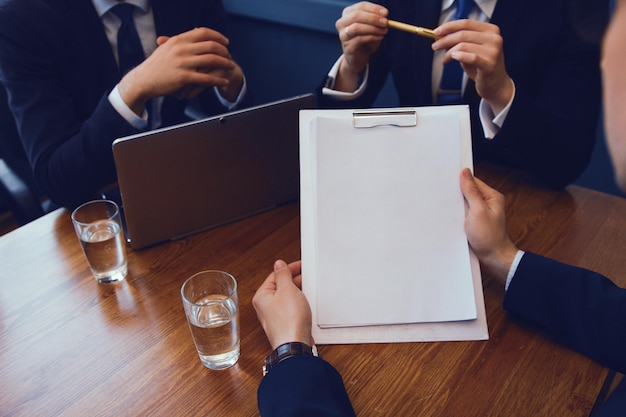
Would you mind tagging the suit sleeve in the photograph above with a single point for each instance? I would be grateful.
(67, 135)
(582, 309)
(303, 386)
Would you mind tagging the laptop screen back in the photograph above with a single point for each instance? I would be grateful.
(191, 177)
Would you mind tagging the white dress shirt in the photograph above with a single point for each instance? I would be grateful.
(513, 268)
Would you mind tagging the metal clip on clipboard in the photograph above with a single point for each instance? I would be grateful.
(391, 117)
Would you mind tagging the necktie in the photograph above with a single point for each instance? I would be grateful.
(129, 47)
(451, 88)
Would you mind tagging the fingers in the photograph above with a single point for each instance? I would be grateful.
(199, 41)
(470, 36)
(202, 46)
(295, 268)
(478, 46)
(208, 47)
(473, 58)
(189, 62)
(281, 270)
(204, 34)
(485, 226)
(492, 198)
(296, 272)
(196, 35)
(469, 188)
(161, 40)
(364, 12)
(476, 192)
(467, 25)
(283, 275)
(373, 31)
(365, 6)
(190, 92)
(288, 275)
(264, 293)
(297, 280)
(362, 19)
(198, 72)
(484, 189)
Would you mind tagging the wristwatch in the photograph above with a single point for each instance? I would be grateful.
(287, 350)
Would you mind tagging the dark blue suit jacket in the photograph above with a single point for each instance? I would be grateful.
(551, 128)
(303, 386)
(582, 309)
(58, 68)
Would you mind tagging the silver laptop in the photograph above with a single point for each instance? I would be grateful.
(187, 178)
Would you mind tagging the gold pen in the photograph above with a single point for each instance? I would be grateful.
(416, 30)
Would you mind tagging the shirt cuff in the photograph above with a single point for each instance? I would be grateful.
(493, 123)
(513, 269)
(328, 90)
(122, 108)
(231, 105)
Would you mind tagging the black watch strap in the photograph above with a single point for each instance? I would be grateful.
(287, 350)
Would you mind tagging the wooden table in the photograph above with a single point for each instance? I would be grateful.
(72, 347)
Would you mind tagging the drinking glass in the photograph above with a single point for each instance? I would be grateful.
(99, 229)
(212, 310)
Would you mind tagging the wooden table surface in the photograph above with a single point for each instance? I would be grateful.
(72, 347)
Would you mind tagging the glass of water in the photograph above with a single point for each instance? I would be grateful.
(99, 229)
(212, 310)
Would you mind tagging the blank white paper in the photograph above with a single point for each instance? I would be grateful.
(389, 226)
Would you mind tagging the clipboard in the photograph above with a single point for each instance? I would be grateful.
(371, 269)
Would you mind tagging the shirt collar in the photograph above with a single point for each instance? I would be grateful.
(103, 6)
(486, 6)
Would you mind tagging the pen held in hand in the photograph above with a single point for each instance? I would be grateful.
(416, 30)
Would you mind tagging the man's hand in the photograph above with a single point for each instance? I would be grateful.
(478, 47)
(485, 226)
(282, 308)
(361, 28)
(184, 64)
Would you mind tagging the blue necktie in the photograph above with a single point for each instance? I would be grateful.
(129, 47)
(451, 88)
